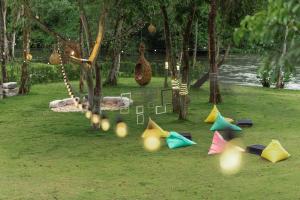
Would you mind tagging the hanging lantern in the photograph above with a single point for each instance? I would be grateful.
(54, 58)
(151, 28)
(29, 57)
(143, 71)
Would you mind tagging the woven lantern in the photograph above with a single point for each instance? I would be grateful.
(54, 58)
(143, 71)
(151, 28)
(29, 57)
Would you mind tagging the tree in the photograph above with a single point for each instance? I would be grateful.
(71, 47)
(128, 20)
(170, 56)
(3, 39)
(275, 29)
(25, 85)
(184, 99)
(215, 95)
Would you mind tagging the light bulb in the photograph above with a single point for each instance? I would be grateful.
(121, 130)
(105, 125)
(88, 114)
(166, 65)
(95, 119)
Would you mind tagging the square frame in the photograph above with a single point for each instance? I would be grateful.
(140, 119)
(161, 112)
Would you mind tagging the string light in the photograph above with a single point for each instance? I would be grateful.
(121, 129)
(95, 119)
(166, 65)
(88, 114)
(105, 125)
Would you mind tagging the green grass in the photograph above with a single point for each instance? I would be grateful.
(47, 155)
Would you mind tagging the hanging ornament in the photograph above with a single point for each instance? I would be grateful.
(151, 28)
(28, 57)
(54, 58)
(143, 71)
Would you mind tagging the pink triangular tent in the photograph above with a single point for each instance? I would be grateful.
(218, 144)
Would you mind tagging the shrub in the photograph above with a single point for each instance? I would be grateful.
(43, 73)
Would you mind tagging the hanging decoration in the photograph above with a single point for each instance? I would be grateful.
(151, 28)
(28, 57)
(143, 71)
(54, 58)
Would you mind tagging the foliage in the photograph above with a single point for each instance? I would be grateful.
(274, 29)
(43, 73)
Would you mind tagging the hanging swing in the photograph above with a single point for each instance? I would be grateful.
(143, 71)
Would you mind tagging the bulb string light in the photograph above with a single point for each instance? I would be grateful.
(65, 77)
(183, 89)
(175, 84)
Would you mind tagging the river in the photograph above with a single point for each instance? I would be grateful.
(242, 70)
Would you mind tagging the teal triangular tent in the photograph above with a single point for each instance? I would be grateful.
(221, 124)
(175, 140)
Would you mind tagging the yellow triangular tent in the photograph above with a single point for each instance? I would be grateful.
(213, 116)
(274, 152)
(153, 128)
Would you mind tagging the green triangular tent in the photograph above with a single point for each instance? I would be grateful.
(175, 140)
(221, 124)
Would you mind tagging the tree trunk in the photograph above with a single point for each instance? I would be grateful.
(83, 55)
(25, 85)
(13, 36)
(6, 46)
(117, 46)
(195, 46)
(205, 77)
(170, 57)
(184, 98)
(215, 96)
(2, 42)
(94, 93)
(280, 77)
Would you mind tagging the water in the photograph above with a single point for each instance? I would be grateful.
(238, 69)
(242, 70)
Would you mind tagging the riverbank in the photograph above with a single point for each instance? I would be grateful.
(47, 155)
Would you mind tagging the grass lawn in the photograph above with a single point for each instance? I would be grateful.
(47, 155)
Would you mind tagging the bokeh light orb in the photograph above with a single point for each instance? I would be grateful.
(105, 125)
(88, 114)
(152, 143)
(95, 119)
(231, 160)
(121, 129)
